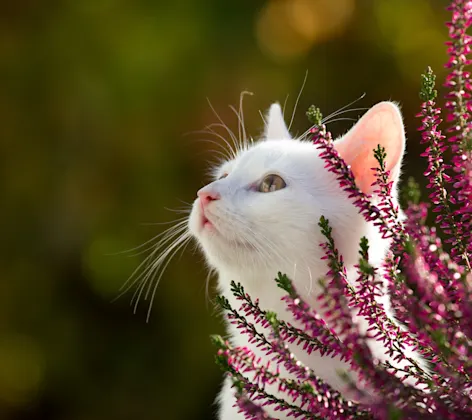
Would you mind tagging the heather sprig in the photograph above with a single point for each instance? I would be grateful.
(340, 300)
(459, 107)
(312, 322)
(436, 173)
(240, 362)
(310, 342)
(427, 272)
(367, 303)
(380, 216)
(314, 115)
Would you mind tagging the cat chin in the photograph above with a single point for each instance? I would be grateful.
(219, 250)
(215, 244)
(224, 254)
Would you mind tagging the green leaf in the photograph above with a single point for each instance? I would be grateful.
(364, 245)
(380, 155)
(326, 229)
(284, 283)
(223, 303)
(237, 289)
(314, 115)
(271, 318)
(218, 341)
(365, 267)
(428, 83)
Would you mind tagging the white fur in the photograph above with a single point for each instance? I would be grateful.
(255, 235)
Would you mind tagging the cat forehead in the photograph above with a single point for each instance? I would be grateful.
(282, 155)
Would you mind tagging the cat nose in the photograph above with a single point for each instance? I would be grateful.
(206, 196)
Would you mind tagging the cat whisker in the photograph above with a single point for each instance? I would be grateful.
(241, 139)
(225, 154)
(186, 210)
(211, 271)
(285, 104)
(180, 247)
(183, 210)
(241, 110)
(311, 280)
(177, 245)
(240, 116)
(307, 132)
(164, 238)
(208, 130)
(230, 133)
(234, 147)
(308, 289)
(346, 107)
(241, 113)
(171, 234)
(150, 273)
(185, 202)
(341, 119)
(149, 241)
(221, 155)
(298, 99)
(338, 112)
(263, 118)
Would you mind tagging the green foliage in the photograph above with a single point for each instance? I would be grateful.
(271, 317)
(223, 303)
(428, 84)
(380, 155)
(314, 115)
(364, 265)
(326, 229)
(284, 283)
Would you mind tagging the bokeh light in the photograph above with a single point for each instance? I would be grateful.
(21, 370)
(288, 29)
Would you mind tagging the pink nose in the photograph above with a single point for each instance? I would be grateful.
(207, 196)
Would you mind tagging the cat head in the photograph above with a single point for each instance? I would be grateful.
(263, 207)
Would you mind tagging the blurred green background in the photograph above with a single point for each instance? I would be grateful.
(96, 98)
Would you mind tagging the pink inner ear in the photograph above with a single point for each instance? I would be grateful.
(383, 125)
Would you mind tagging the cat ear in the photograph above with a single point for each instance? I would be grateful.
(275, 128)
(383, 125)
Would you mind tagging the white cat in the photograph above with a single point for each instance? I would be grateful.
(260, 216)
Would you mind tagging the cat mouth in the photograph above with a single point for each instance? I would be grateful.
(206, 225)
(205, 222)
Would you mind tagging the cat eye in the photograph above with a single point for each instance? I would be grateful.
(271, 183)
(223, 176)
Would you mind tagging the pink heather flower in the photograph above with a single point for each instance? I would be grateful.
(459, 105)
(431, 289)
